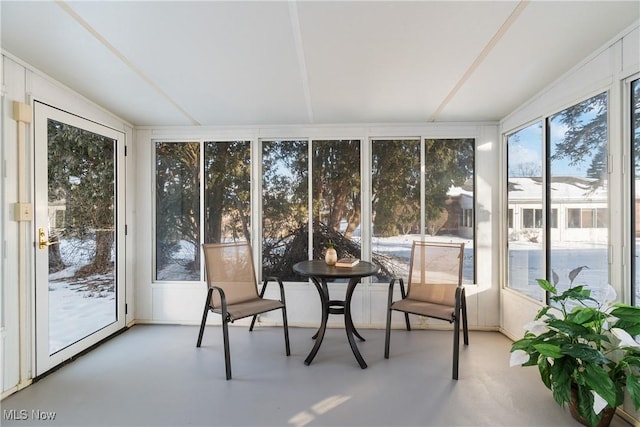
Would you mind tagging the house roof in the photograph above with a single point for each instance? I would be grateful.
(565, 188)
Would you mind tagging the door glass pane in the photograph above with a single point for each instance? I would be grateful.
(395, 204)
(285, 201)
(578, 173)
(336, 197)
(635, 136)
(227, 192)
(449, 196)
(177, 211)
(525, 194)
(81, 193)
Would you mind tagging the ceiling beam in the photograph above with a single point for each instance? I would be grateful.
(481, 57)
(302, 64)
(64, 6)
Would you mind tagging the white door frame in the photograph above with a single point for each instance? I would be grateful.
(43, 361)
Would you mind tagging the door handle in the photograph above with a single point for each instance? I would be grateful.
(43, 242)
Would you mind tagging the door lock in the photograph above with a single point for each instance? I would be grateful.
(43, 242)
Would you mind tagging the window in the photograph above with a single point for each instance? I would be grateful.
(553, 221)
(335, 184)
(467, 218)
(395, 203)
(525, 188)
(226, 202)
(285, 201)
(573, 183)
(227, 191)
(531, 218)
(587, 218)
(449, 190)
(578, 150)
(310, 194)
(177, 211)
(446, 191)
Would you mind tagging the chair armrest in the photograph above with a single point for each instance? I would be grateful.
(223, 300)
(280, 284)
(460, 295)
(391, 284)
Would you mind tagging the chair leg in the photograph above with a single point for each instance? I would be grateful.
(255, 316)
(227, 356)
(204, 317)
(253, 321)
(456, 346)
(285, 325)
(465, 328)
(406, 320)
(387, 336)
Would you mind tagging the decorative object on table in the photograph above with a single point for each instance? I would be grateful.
(586, 349)
(330, 256)
(347, 262)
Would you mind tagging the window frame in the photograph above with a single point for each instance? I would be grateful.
(467, 216)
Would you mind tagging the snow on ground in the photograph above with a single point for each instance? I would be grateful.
(76, 309)
(78, 306)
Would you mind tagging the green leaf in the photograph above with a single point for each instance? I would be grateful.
(626, 312)
(569, 328)
(633, 387)
(577, 293)
(585, 406)
(582, 315)
(598, 380)
(521, 344)
(561, 381)
(545, 372)
(585, 353)
(547, 286)
(542, 312)
(549, 350)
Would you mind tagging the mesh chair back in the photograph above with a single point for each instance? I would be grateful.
(435, 272)
(230, 266)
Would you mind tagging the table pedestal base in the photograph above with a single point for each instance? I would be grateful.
(336, 307)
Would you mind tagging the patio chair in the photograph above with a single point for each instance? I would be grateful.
(232, 291)
(434, 290)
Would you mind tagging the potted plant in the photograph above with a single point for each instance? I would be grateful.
(586, 346)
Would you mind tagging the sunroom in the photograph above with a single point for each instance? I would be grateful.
(134, 132)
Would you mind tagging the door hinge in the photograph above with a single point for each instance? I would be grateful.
(126, 230)
(125, 151)
(126, 309)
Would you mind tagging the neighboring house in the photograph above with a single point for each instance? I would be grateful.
(579, 210)
(460, 208)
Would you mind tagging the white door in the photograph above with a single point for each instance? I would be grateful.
(79, 234)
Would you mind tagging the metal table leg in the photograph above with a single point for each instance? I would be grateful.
(348, 322)
(323, 291)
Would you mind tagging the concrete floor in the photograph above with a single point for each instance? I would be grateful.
(153, 375)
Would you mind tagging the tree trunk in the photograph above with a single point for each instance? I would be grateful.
(101, 262)
(55, 258)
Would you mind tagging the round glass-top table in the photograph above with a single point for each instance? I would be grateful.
(319, 272)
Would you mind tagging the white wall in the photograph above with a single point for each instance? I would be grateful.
(605, 70)
(183, 302)
(24, 84)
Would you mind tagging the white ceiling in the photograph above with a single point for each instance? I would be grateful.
(308, 62)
